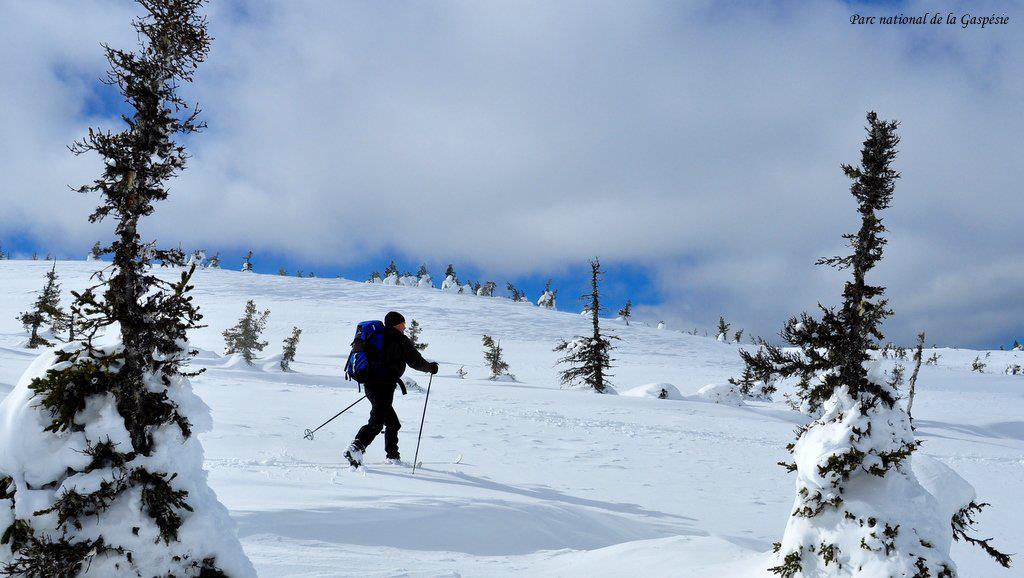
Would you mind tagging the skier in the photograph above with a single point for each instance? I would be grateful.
(398, 352)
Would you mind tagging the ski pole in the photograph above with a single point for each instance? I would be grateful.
(416, 457)
(309, 433)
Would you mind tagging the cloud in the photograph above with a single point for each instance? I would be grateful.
(701, 141)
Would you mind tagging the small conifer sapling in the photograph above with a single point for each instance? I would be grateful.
(244, 337)
(291, 343)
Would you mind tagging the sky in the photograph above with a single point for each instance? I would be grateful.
(694, 146)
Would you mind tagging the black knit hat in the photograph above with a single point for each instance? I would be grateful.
(393, 318)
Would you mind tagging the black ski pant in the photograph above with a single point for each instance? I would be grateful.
(382, 415)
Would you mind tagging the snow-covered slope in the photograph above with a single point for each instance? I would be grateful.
(550, 481)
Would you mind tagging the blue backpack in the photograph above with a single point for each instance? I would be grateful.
(366, 360)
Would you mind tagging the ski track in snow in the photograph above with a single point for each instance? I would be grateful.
(552, 482)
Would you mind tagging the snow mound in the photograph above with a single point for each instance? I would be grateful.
(236, 361)
(655, 390)
(723, 393)
(678, 556)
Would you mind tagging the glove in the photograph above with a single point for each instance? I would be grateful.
(433, 367)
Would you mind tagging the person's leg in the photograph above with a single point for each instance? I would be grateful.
(392, 426)
(380, 403)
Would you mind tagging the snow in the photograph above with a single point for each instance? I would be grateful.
(723, 393)
(553, 482)
(656, 390)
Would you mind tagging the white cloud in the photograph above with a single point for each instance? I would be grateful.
(524, 136)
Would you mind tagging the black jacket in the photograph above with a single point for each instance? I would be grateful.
(399, 352)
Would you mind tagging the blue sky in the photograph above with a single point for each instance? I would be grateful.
(694, 146)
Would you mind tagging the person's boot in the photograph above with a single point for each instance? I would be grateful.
(354, 455)
(395, 460)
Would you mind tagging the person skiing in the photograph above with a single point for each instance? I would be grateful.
(398, 352)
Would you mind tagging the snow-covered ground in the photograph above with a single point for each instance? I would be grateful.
(550, 482)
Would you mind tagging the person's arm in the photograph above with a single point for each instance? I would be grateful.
(413, 359)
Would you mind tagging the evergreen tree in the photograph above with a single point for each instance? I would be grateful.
(198, 258)
(3, 255)
(391, 270)
(723, 329)
(290, 344)
(423, 278)
(738, 336)
(247, 265)
(450, 272)
(755, 382)
(547, 298)
(487, 289)
(626, 311)
(35, 256)
(215, 261)
(860, 437)
(462, 373)
(514, 293)
(978, 364)
(918, 354)
(589, 358)
(493, 357)
(281, 271)
(414, 335)
(96, 253)
(45, 311)
(244, 337)
(374, 278)
(116, 509)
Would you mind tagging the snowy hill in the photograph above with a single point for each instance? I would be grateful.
(550, 481)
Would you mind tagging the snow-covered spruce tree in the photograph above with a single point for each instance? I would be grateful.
(547, 298)
(756, 382)
(3, 255)
(487, 289)
(45, 311)
(978, 364)
(627, 311)
(244, 337)
(414, 335)
(462, 373)
(589, 358)
(215, 261)
(450, 272)
(291, 343)
(493, 357)
(95, 253)
(198, 259)
(391, 274)
(860, 510)
(247, 265)
(738, 336)
(100, 471)
(282, 272)
(423, 278)
(514, 293)
(723, 330)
